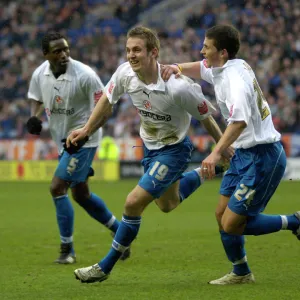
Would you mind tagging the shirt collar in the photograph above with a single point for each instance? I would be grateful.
(159, 86)
(66, 76)
(218, 70)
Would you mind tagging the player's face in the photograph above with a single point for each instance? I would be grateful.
(58, 55)
(214, 58)
(139, 58)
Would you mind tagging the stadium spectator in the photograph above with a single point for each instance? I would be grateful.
(269, 28)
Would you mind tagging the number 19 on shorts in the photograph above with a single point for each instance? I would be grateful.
(159, 171)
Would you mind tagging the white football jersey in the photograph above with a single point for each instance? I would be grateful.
(165, 108)
(68, 100)
(240, 99)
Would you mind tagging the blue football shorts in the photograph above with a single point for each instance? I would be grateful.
(76, 168)
(253, 177)
(164, 166)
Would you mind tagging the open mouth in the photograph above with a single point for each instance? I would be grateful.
(134, 63)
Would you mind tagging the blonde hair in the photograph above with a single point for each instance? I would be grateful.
(148, 35)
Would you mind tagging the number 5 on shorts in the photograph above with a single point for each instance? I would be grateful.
(72, 165)
(160, 170)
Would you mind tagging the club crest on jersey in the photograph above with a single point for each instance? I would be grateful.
(97, 96)
(203, 108)
(58, 99)
(147, 104)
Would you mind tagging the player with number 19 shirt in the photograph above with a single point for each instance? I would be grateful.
(165, 109)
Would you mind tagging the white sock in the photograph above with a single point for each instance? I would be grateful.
(284, 222)
(198, 172)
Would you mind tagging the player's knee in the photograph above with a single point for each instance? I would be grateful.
(132, 203)
(166, 207)
(57, 189)
(219, 215)
(230, 228)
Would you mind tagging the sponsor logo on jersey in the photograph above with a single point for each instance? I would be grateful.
(97, 96)
(58, 99)
(154, 116)
(147, 104)
(203, 108)
(111, 87)
(59, 111)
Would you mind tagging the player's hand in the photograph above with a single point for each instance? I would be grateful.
(167, 70)
(34, 125)
(208, 165)
(228, 153)
(76, 136)
(74, 148)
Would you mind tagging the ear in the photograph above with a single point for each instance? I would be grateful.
(154, 53)
(224, 53)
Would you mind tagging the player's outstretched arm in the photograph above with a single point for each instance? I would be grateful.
(99, 116)
(190, 69)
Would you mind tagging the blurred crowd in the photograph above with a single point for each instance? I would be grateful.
(96, 31)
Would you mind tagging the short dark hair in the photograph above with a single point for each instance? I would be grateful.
(147, 34)
(225, 37)
(49, 37)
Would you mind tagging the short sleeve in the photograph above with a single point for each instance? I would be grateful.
(94, 87)
(115, 88)
(239, 103)
(34, 91)
(189, 96)
(205, 72)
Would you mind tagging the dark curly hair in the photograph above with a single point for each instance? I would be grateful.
(49, 37)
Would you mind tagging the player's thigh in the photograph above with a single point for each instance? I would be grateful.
(75, 168)
(137, 200)
(259, 180)
(164, 167)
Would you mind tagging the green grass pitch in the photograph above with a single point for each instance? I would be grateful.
(173, 257)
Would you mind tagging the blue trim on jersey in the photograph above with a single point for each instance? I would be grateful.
(164, 166)
(253, 177)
